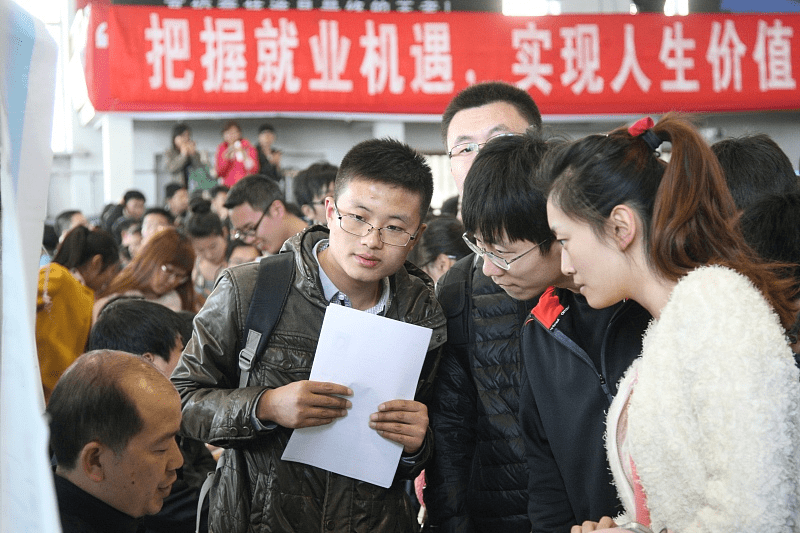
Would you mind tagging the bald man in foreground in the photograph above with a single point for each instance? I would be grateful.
(113, 421)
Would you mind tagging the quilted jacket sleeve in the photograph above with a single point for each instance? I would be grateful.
(453, 415)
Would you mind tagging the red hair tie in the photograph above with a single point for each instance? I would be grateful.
(641, 128)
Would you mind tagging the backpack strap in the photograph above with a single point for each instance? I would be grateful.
(275, 275)
(456, 300)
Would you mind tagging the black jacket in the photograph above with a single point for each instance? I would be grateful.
(257, 491)
(80, 512)
(478, 479)
(574, 356)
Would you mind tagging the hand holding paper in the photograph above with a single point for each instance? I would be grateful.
(304, 404)
(379, 359)
(403, 421)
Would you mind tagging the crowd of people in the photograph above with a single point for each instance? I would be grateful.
(614, 334)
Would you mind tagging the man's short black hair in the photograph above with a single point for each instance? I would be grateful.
(754, 165)
(257, 190)
(159, 211)
(391, 162)
(89, 403)
(481, 94)
(133, 194)
(136, 326)
(265, 127)
(501, 196)
(171, 188)
(313, 181)
(64, 220)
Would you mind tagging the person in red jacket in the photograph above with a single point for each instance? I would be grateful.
(236, 157)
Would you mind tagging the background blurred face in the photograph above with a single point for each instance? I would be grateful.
(478, 125)
(231, 135)
(151, 224)
(179, 202)
(264, 232)
(182, 139)
(243, 254)
(318, 204)
(166, 278)
(141, 476)
(135, 208)
(99, 281)
(211, 248)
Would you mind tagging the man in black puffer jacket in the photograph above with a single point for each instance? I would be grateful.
(479, 478)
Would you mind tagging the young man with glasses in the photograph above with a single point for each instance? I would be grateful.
(382, 192)
(572, 355)
(257, 209)
(478, 480)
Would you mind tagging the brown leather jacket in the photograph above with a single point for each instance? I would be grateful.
(256, 491)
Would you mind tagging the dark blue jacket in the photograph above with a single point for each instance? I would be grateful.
(574, 356)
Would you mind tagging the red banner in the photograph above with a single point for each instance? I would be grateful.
(161, 59)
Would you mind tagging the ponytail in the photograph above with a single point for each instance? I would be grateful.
(695, 220)
(694, 216)
(81, 244)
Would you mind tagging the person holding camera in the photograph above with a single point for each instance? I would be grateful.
(236, 157)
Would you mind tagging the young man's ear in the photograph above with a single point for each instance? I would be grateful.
(330, 213)
(147, 356)
(92, 460)
(277, 209)
(624, 226)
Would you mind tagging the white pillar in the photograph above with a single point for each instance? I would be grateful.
(395, 130)
(118, 174)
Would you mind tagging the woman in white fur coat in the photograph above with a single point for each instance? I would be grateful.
(704, 434)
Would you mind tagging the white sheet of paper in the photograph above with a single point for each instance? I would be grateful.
(380, 359)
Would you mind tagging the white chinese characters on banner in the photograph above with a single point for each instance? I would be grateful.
(773, 53)
(276, 49)
(581, 55)
(170, 43)
(529, 43)
(329, 53)
(381, 61)
(630, 65)
(725, 51)
(224, 58)
(673, 56)
(433, 63)
(276, 56)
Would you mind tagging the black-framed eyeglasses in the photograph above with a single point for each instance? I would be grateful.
(499, 262)
(356, 225)
(242, 234)
(465, 150)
